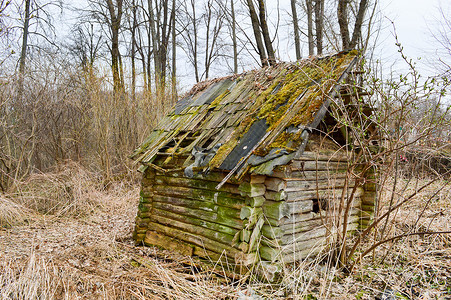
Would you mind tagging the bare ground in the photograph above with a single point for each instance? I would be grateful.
(85, 251)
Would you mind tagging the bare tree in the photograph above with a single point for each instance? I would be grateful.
(257, 33)
(297, 42)
(349, 41)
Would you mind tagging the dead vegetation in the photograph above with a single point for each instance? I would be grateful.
(79, 246)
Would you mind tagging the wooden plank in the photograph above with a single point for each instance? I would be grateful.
(318, 165)
(292, 253)
(193, 238)
(276, 210)
(275, 196)
(293, 186)
(197, 204)
(325, 193)
(291, 219)
(275, 184)
(252, 189)
(308, 175)
(153, 238)
(219, 198)
(340, 156)
(257, 179)
(193, 228)
(201, 214)
(195, 183)
(196, 221)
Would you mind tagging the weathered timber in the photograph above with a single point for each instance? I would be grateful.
(275, 184)
(299, 207)
(292, 253)
(340, 156)
(193, 238)
(276, 196)
(309, 175)
(153, 238)
(276, 210)
(252, 189)
(257, 179)
(297, 185)
(196, 221)
(201, 214)
(291, 219)
(194, 228)
(195, 183)
(196, 204)
(257, 201)
(327, 193)
(220, 198)
(318, 165)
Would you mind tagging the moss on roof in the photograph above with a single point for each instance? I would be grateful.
(287, 96)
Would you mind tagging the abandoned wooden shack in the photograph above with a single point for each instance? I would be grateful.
(248, 169)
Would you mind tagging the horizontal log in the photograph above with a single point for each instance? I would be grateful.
(252, 190)
(276, 210)
(153, 238)
(292, 253)
(195, 183)
(300, 237)
(302, 185)
(257, 201)
(299, 207)
(275, 184)
(201, 214)
(195, 239)
(309, 175)
(257, 179)
(290, 219)
(333, 156)
(200, 205)
(327, 193)
(276, 196)
(194, 228)
(220, 198)
(196, 221)
(318, 165)
(300, 226)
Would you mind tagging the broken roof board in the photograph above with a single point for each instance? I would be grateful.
(286, 99)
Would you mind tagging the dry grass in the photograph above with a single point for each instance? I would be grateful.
(80, 247)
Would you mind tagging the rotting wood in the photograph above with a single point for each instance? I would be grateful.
(155, 239)
(275, 184)
(201, 214)
(193, 228)
(196, 183)
(231, 210)
(193, 238)
(318, 165)
(276, 210)
(252, 189)
(196, 221)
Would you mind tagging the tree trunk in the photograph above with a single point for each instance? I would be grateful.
(115, 54)
(23, 53)
(234, 43)
(134, 25)
(174, 55)
(265, 32)
(257, 33)
(357, 33)
(311, 44)
(297, 42)
(343, 21)
(319, 17)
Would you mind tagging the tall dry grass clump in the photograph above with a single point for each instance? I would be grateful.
(11, 213)
(69, 191)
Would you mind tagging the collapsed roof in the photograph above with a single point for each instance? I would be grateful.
(250, 122)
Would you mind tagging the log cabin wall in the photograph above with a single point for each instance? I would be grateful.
(190, 216)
